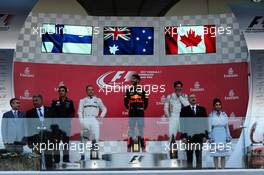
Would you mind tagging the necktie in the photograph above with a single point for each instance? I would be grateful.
(40, 113)
(193, 110)
(41, 117)
(15, 114)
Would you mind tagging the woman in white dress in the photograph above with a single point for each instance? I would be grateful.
(219, 134)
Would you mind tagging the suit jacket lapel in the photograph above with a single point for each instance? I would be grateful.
(35, 113)
(20, 114)
(11, 114)
(45, 112)
(197, 110)
(191, 112)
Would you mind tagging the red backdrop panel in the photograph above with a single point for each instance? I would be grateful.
(226, 81)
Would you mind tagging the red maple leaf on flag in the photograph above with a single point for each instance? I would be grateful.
(191, 39)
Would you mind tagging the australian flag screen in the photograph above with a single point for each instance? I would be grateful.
(61, 38)
(128, 40)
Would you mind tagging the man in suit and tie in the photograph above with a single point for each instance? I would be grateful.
(194, 111)
(40, 120)
(39, 116)
(14, 127)
(39, 111)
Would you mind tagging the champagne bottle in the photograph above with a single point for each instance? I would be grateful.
(94, 154)
(173, 150)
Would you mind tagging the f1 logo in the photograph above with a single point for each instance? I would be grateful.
(136, 159)
(256, 21)
(5, 20)
(119, 75)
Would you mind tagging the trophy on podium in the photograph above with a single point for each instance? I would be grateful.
(136, 145)
(173, 150)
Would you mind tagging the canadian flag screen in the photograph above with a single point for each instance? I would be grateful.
(190, 39)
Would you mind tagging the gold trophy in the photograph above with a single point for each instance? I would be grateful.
(136, 145)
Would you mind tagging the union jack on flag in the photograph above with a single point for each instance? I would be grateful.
(115, 32)
(128, 40)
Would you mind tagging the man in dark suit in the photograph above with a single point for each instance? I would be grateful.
(39, 111)
(194, 111)
(14, 127)
(39, 120)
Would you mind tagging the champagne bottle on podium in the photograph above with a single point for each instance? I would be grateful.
(129, 144)
(173, 149)
(94, 154)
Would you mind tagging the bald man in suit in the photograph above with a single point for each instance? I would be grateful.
(39, 121)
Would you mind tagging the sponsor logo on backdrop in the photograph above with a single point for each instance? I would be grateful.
(162, 100)
(61, 83)
(122, 77)
(231, 95)
(119, 81)
(27, 73)
(26, 95)
(197, 87)
(230, 73)
(124, 113)
(256, 25)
